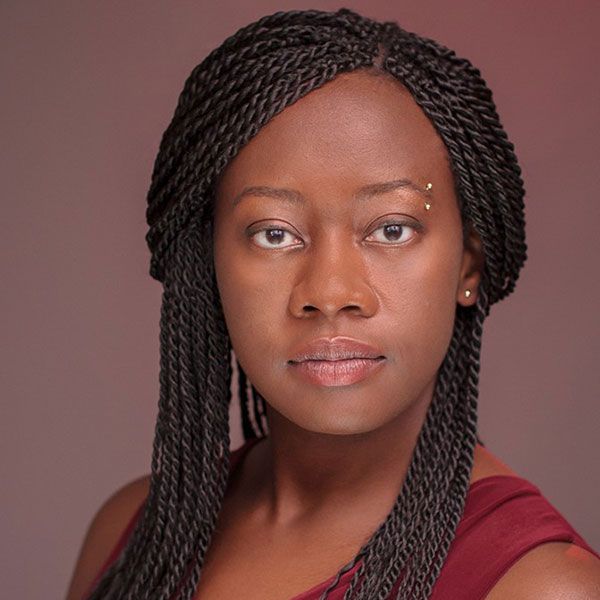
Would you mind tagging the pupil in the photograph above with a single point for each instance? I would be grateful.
(275, 235)
(393, 232)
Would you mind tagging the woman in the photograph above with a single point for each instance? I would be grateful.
(335, 199)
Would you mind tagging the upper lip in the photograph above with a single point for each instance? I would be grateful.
(337, 348)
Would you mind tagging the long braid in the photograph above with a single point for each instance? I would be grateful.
(236, 90)
(253, 409)
(191, 450)
(248, 428)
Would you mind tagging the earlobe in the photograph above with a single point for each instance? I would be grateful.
(471, 268)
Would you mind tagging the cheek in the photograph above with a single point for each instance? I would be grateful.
(247, 299)
(420, 302)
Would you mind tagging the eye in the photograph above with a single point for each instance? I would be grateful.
(392, 233)
(274, 237)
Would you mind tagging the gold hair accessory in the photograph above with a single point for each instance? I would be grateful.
(467, 293)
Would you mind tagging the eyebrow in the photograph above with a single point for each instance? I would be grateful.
(377, 189)
(364, 193)
(269, 192)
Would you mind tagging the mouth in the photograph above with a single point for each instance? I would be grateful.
(333, 362)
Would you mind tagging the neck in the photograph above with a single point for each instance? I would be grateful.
(304, 472)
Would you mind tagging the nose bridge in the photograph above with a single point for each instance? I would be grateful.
(334, 279)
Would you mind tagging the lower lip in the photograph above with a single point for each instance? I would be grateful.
(334, 373)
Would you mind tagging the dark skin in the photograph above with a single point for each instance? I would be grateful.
(325, 252)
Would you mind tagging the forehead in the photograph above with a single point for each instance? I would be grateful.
(359, 126)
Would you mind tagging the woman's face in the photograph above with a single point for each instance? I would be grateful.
(338, 269)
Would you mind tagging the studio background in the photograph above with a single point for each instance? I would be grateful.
(88, 88)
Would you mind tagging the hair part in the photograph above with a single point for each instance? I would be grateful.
(237, 89)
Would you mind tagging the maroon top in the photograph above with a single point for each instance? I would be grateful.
(504, 518)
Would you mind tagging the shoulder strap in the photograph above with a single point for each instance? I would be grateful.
(504, 518)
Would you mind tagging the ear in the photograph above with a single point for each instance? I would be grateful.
(471, 268)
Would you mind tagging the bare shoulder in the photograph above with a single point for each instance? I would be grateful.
(104, 532)
(485, 464)
(552, 571)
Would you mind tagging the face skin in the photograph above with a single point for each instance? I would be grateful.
(327, 252)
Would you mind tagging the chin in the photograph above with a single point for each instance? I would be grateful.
(338, 421)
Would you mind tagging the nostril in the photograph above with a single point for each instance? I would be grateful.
(309, 308)
(352, 307)
(353, 299)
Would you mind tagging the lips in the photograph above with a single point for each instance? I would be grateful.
(336, 361)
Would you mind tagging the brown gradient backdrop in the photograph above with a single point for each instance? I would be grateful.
(88, 88)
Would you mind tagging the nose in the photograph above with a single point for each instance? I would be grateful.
(333, 281)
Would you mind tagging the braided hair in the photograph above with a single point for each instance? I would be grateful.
(237, 89)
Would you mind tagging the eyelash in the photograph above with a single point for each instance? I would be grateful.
(253, 234)
(404, 225)
(416, 228)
